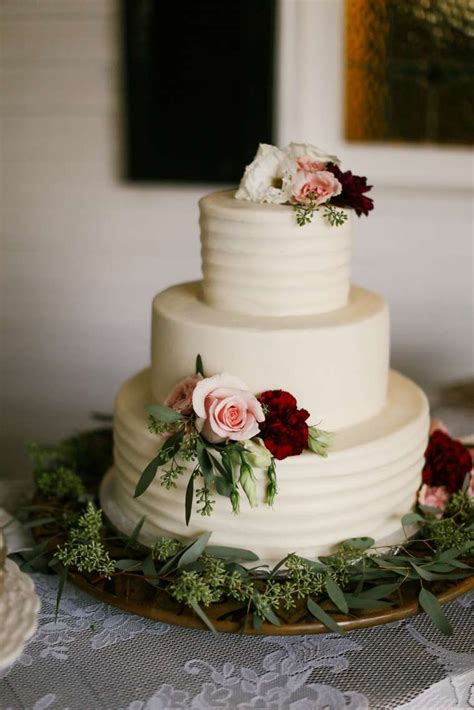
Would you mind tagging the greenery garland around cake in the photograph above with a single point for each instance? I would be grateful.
(307, 178)
(219, 583)
(223, 432)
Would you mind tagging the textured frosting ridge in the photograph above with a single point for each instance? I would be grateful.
(335, 364)
(365, 485)
(256, 260)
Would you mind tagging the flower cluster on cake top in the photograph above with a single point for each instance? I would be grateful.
(229, 432)
(306, 177)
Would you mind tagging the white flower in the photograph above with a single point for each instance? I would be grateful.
(307, 152)
(263, 180)
(258, 455)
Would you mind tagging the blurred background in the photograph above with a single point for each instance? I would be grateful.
(113, 113)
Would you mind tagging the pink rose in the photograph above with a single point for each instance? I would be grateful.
(434, 497)
(181, 396)
(310, 166)
(226, 409)
(322, 184)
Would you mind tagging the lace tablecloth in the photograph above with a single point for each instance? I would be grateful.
(97, 657)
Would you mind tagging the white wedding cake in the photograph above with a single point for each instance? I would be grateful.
(276, 310)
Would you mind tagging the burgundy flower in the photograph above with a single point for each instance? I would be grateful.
(284, 431)
(352, 194)
(447, 462)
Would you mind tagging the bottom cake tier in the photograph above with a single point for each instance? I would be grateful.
(364, 486)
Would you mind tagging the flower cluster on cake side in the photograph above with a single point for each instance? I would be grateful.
(306, 177)
(448, 470)
(228, 432)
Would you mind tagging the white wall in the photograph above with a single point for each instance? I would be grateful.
(83, 253)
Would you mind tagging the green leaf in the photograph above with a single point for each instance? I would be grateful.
(257, 621)
(61, 584)
(189, 498)
(380, 591)
(135, 533)
(164, 414)
(316, 565)
(147, 476)
(223, 487)
(354, 602)
(361, 543)
(39, 521)
(149, 571)
(272, 617)
(202, 615)
(205, 462)
(466, 482)
(167, 451)
(429, 509)
(199, 366)
(322, 616)
(411, 518)
(431, 605)
(193, 551)
(336, 595)
(127, 564)
(231, 553)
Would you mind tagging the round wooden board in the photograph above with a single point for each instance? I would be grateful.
(150, 609)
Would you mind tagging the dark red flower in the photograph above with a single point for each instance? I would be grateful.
(352, 194)
(447, 461)
(284, 431)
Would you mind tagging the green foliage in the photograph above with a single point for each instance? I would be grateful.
(61, 482)
(334, 216)
(165, 548)
(304, 213)
(84, 549)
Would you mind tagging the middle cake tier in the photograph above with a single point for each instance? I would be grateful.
(335, 364)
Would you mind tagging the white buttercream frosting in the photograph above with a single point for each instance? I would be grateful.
(366, 484)
(335, 364)
(257, 260)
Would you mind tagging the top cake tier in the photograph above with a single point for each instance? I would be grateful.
(257, 260)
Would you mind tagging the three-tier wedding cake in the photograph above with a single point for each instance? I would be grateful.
(277, 333)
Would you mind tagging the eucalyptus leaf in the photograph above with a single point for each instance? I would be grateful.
(39, 521)
(272, 617)
(336, 595)
(189, 498)
(316, 565)
(431, 605)
(361, 543)
(193, 551)
(164, 414)
(127, 564)
(135, 532)
(411, 518)
(223, 487)
(61, 584)
(257, 622)
(199, 366)
(147, 477)
(231, 553)
(202, 615)
(322, 616)
(205, 462)
(380, 591)
(149, 571)
(354, 602)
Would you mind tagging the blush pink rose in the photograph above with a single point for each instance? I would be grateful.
(310, 166)
(225, 409)
(181, 396)
(434, 497)
(322, 184)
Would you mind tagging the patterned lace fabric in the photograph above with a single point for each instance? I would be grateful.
(97, 657)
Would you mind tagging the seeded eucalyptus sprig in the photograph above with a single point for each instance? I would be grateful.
(305, 212)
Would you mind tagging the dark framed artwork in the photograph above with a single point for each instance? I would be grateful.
(198, 87)
(409, 71)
